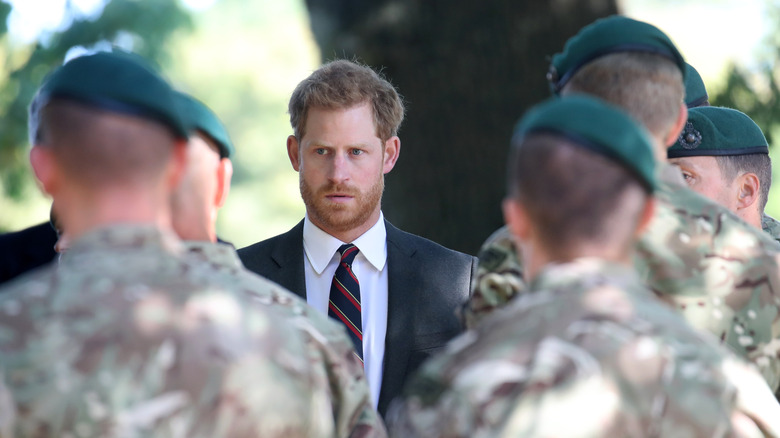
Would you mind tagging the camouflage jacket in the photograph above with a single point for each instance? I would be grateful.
(329, 348)
(719, 271)
(771, 226)
(589, 353)
(124, 338)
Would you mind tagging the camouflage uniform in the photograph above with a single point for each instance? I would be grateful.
(499, 277)
(125, 338)
(771, 226)
(590, 352)
(718, 270)
(336, 366)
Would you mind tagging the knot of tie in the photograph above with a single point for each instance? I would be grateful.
(348, 252)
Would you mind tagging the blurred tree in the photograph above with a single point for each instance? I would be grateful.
(142, 26)
(756, 92)
(468, 70)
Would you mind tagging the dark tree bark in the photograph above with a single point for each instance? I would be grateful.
(467, 69)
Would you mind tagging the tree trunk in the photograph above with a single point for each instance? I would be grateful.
(467, 70)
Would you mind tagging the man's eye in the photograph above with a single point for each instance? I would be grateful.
(687, 176)
(357, 151)
(320, 151)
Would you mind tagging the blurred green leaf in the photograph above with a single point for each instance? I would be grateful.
(144, 26)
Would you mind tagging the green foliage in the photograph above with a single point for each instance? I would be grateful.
(755, 94)
(143, 26)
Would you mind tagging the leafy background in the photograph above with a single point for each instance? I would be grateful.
(244, 58)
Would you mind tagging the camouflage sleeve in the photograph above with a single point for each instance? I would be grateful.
(337, 368)
(499, 278)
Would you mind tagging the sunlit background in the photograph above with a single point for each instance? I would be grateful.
(244, 58)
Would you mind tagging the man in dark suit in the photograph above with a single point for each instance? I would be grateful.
(395, 292)
(27, 249)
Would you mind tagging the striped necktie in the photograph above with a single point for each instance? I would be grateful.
(344, 302)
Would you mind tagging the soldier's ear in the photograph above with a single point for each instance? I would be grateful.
(45, 168)
(177, 164)
(678, 126)
(516, 219)
(748, 190)
(648, 211)
(224, 176)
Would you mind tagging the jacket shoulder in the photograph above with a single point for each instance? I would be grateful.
(426, 247)
(259, 252)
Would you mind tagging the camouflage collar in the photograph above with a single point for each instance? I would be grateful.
(221, 254)
(771, 226)
(115, 238)
(586, 269)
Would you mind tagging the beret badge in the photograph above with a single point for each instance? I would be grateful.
(690, 138)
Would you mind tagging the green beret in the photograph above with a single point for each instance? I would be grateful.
(605, 36)
(718, 131)
(114, 81)
(598, 127)
(695, 92)
(201, 118)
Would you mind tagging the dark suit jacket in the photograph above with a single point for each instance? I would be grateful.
(426, 283)
(21, 251)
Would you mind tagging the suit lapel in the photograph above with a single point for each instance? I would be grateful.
(288, 256)
(400, 323)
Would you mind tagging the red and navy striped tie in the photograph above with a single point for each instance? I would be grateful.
(344, 302)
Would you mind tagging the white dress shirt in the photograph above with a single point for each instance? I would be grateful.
(321, 258)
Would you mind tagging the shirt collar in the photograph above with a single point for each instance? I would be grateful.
(320, 247)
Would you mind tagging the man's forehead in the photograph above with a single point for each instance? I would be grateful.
(698, 162)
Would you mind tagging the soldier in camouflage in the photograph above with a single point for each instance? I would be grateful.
(719, 271)
(723, 155)
(205, 188)
(499, 273)
(590, 351)
(125, 337)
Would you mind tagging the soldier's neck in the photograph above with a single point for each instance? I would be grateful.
(537, 258)
(83, 211)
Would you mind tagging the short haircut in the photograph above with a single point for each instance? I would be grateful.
(572, 194)
(344, 84)
(647, 86)
(731, 166)
(97, 147)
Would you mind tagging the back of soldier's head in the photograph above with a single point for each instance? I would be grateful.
(107, 118)
(583, 171)
(628, 63)
(647, 86)
(206, 182)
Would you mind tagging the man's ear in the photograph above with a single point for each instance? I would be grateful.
(679, 124)
(391, 153)
(294, 152)
(45, 168)
(748, 190)
(516, 219)
(178, 164)
(224, 175)
(648, 212)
